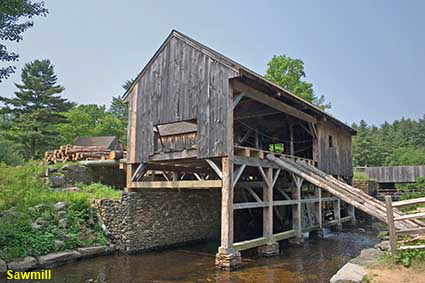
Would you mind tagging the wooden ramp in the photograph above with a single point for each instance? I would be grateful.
(345, 192)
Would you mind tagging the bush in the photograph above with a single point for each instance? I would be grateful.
(22, 189)
(360, 176)
(9, 153)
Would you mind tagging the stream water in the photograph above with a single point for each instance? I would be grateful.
(316, 261)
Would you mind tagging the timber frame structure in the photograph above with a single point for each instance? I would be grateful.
(199, 120)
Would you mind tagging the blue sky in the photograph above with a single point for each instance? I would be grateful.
(366, 57)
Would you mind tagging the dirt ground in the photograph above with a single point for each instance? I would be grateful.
(396, 274)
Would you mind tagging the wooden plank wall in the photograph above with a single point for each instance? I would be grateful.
(336, 160)
(183, 84)
(175, 142)
(395, 174)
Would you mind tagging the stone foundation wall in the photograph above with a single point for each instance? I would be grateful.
(157, 218)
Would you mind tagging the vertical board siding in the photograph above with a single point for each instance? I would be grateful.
(395, 174)
(182, 84)
(336, 160)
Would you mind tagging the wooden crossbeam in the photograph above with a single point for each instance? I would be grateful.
(215, 168)
(285, 195)
(265, 179)
(139, 172)
(177, 184)
(253, 194)
(272, 102)
(238, 174)
(237, 99)
(276, 175)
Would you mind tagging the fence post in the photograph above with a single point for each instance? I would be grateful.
(391, 227)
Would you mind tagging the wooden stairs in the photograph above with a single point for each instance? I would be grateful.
(342, 190)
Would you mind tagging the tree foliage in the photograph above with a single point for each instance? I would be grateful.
(15, 18)
(35, 109)
(91, 120)
(289, 74)
(399, 143)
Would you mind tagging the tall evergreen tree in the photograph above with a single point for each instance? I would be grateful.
(36, 109)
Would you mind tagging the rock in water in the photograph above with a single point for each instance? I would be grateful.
(23, 264)
(349, 273)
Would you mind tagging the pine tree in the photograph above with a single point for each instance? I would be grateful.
(36, 109)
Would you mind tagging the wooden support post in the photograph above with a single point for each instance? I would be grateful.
(227, 207)
(318, 193)
(268, 210)
(271, 248)
(130, 168)
(351, 211)
(297, 209)
(291, 138)
(227, 258)
(337, 213)
(391, 226)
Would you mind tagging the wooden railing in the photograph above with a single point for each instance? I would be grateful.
(260, 153)
(391, 222)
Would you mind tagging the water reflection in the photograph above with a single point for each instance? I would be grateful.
(316, 261)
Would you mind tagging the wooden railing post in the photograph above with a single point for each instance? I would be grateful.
(391, 226)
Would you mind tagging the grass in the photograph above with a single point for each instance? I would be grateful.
(360, 176)
(22, 190)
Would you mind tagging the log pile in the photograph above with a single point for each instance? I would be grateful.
(77, 153)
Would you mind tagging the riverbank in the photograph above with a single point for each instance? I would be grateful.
(374, 265)
(316, 261)
(37, 220)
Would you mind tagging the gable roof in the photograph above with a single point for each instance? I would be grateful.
(243, 71)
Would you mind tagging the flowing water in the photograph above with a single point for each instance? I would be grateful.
(316, 261)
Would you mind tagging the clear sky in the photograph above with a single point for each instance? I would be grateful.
(366, 57)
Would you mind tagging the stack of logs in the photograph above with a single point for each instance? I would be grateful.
(75, 153)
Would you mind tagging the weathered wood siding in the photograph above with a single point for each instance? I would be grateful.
(183, 83)
(336, 160)
(395, 174)
(175, 142)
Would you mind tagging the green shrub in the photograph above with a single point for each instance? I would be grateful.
(360, 176)
(22, 189)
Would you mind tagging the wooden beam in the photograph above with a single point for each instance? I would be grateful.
(185, 154)
(411, 216)
(245, 205)
(273, 102)
(409, 202)
(254, 195)
(276, 175)
(318, 193)
(226, 246)
(238, 174)
(237, 99)
(265, 178)
(285, 235)
(178, 168)
(391, 226)
(215, 168)
(177, 184)
(254, 162)
(249, 244)
(139, 172)
(418, 230)
(268, 210)
(297, 209)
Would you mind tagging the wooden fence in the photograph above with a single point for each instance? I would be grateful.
(391, 222)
